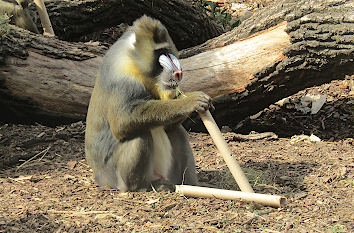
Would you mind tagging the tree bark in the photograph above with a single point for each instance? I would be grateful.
(48, 80)
(230, 68)
(184, 19)
(321, 35)
(44, 79)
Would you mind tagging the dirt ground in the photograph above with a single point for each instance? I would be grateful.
(46, 184)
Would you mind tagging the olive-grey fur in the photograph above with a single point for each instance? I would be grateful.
(134, 135)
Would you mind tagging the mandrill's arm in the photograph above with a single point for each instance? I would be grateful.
(152, 113)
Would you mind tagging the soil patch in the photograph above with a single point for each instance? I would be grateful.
(47, 186)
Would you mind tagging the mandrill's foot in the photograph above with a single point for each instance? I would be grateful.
(162, 185)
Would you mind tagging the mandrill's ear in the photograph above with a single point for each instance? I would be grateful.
(160, 34)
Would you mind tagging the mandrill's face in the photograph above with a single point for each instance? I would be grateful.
(172, 74)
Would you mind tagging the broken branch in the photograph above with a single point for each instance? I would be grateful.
(264, 199)
(225, 152)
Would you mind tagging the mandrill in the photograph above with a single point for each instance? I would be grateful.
(134, 138)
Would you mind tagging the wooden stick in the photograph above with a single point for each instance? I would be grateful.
(224, 150)
(43, 15)
(195, 191)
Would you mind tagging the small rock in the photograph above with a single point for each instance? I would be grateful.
(225, 129)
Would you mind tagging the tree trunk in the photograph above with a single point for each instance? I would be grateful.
(50, 81)
(184, 19)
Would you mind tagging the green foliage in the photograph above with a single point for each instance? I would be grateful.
(215, 12)
(4, 25)
(256, 177)
(337, 228)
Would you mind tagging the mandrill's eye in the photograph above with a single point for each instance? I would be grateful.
(159, 52)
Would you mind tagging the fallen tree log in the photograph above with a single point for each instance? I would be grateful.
(321, 48)
(82, 20)
(49, 80)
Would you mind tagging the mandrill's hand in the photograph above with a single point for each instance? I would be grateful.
(198, 101)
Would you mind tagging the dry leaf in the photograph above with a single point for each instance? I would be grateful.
(71, 164)
(152, 201)
(69, 177)
(22, 178)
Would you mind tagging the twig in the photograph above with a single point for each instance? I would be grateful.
(81, 212)
(256, 136)
(132, 201)
(78, 213)
(44, 152)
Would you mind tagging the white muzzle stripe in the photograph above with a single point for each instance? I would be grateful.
(170, 62)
